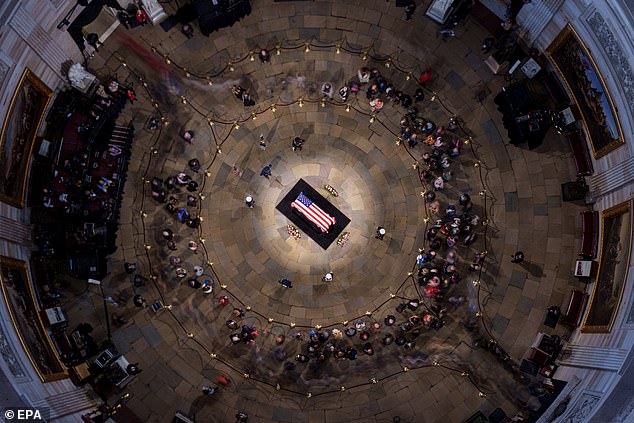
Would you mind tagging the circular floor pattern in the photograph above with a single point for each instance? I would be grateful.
(250, 249)
(378, 186)
(361, 170)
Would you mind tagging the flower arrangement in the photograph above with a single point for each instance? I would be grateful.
(294, 232)
(331, 190)
(343, 239)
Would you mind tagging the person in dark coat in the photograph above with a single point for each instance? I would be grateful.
(518, 257)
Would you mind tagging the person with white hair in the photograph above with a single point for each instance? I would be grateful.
(249, 201)
(328, 277)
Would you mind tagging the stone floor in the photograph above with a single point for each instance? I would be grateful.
(250, 248)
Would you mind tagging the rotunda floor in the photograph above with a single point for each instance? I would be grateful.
(444, 376)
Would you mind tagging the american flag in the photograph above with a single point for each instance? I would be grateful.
(316, 215)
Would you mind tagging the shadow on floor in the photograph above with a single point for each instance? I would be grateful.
(532, 268)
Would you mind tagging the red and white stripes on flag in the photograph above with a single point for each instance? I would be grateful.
(313, 213)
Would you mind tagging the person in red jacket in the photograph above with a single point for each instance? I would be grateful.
(425, 76)
(131, 95)
(141, 16)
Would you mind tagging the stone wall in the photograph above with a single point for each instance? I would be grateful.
(598, 23)
(29, 38)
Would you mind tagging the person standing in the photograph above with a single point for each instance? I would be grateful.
(364, 75)
(133, 369)
(209, 390)
(153, 124)
(264, 56)
(297, 144)
(139, 280)
(192, 186)
(188, 136)
(477, 262)
(139, 301)
(425, 76)
(182, 178)
(327, 89)
(194, 165)
(409, 10)
(344, 93)
(249, 201)
(328, 277)
(187, 31)
(168, 235)
(266, 171)
(93, 40)
(518, 257)
(208, 286)
(238, 91)
(130, 268)
(439, 183)
(285, 283)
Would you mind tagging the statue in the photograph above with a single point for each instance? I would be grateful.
(80, 78)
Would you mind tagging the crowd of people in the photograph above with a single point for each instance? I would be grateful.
(438, 146)
(243, 95)
(438, 263)
(87, 180)
(71, 194)
(168, 191)
(377, 89)
(365, 336)
(179, 194)
(437, 269)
